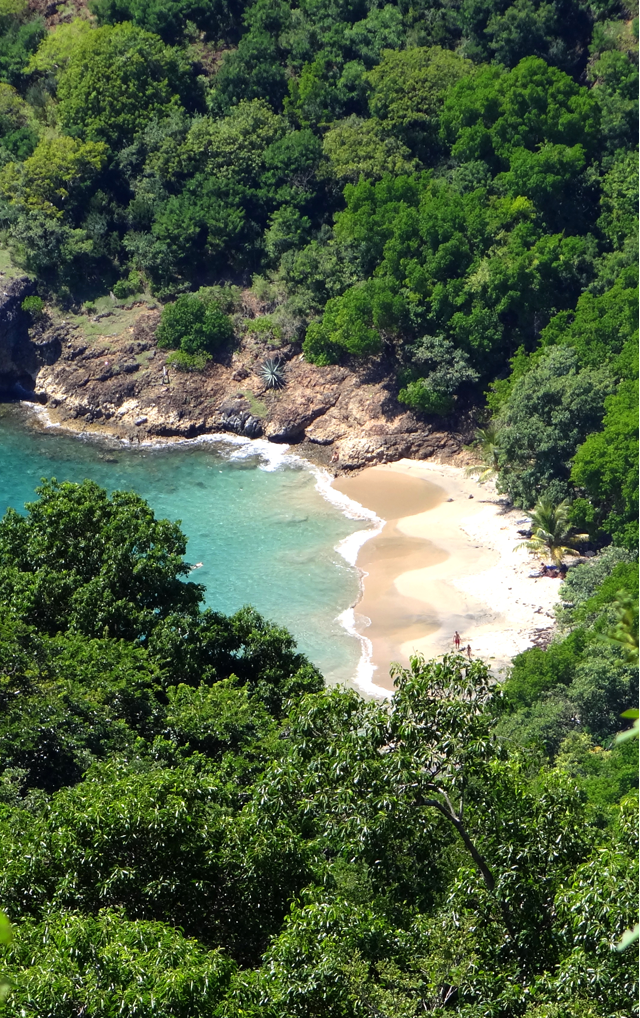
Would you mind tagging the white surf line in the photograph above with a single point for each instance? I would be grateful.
(41, 411)
(348, 548)
(278, 456)
(363, 677)
(273, 457)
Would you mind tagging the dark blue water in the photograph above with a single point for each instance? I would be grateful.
(253, 515)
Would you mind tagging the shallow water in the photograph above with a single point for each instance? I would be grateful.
(253, 514)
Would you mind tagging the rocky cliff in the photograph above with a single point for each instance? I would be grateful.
(24, 348)
(106, 375)
(18, 364)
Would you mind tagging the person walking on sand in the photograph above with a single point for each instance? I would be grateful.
(469, 651)
(456, 640)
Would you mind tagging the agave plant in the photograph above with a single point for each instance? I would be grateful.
(486, 445)
(272, 373)
(552, 532)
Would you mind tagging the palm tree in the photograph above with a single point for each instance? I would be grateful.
(552, 532)
(486, 445)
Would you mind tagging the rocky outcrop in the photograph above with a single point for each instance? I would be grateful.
(18, 360)
(344, 417)
(24, 348)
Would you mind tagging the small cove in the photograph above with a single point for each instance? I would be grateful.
(252, 513)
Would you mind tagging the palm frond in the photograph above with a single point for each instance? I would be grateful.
(552, 532)
(486, 446)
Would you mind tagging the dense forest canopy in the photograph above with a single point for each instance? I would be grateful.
(449, 188)
(193, 825)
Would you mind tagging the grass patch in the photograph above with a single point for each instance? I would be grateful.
(7, 268)
(258, 409)
(115, 325)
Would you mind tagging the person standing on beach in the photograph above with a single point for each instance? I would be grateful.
(469, 651)
(456, 640)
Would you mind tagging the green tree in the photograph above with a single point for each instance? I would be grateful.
(106, 962)
(85, 559)
(233, 145)
(549, 413)
(326, 90)
(116, 81)
(558, 32)
(170, 20)
(194, 326)
(442, 739)
(408, 92)
(58, 46)
(354, 323)
(18, 126)
(55, 177)
(493, 113)
(553, 178)
(448, 369)
(19, 37)
(605, 465)
(252, 71)
(614, 76)
(552, 532)
(164, 843)
(360, 148)
(619, 201)
(599, 326)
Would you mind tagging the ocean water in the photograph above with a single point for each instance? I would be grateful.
(265, 526)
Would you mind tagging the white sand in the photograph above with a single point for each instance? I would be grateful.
(480, 586)
(483, 589)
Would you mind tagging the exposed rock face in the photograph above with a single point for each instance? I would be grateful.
(24, 348)
(242, 423)
(346, 417)
(18, 360)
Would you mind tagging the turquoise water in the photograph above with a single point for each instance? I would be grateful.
(262, 531)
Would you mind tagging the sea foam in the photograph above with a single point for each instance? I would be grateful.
(272, 457)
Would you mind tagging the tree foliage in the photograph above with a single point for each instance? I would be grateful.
(194, 825)
(450, 190)
(549, 413)
(116, 80)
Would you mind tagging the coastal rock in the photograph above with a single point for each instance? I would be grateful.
(18, 361)
(242, 424)
(120, 383)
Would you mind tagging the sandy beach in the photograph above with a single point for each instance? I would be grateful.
(445, 560)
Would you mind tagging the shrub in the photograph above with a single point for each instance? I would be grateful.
(188, 361)
(420, 396)
(266, 329)
(193, 326)
(34, 306)
(129, 287)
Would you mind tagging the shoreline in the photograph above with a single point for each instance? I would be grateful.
(271, 456)
(436, 544)
(449, 566)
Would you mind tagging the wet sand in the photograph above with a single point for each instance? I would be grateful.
(444, 561)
